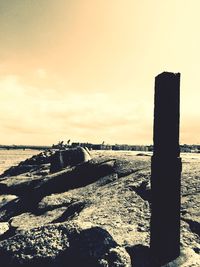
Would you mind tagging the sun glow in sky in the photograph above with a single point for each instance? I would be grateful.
(84, 69)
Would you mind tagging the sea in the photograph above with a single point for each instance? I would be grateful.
(13, 157)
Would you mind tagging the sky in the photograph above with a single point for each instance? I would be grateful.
(84, 70)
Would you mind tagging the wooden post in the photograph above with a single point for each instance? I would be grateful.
(166, 170)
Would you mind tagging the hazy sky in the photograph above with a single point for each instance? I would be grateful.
(84, 69)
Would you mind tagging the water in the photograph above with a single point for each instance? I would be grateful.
(13, 157)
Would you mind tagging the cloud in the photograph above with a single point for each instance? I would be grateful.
(46, 114)
(41, 73)
(39, 116)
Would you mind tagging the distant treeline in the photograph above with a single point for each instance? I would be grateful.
(146, 148)
(103, 146)
(114, 147)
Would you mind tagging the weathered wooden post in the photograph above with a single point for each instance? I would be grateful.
(166, 170)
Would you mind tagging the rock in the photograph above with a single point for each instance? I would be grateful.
(140, 256)
(94, 210)
(52, 201)
(188, 258)
(189, 238)
(118, 257)
(32, 189)
(64, 180)
(72, 211)
(42, 160)
(190, 205)
(190, 178)
(17, 170)
(71, 178)
(18, 185)
(36, 247)
(143, 190)
(90, 244)
(68, 157)
(194, 224)
(143, 155)
(105, 201)
(5, 199)
(12, 208)
(61, 244)
(76, 195)
(191, 212)
(26, 221)
(96, 247)
(4, 227)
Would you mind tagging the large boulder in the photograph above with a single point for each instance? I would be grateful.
(96, 213)
(63, 245)
(68, 157)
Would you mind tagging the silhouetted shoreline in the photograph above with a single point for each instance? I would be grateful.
(145, 148)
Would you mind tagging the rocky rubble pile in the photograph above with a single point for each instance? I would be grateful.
(94, 213)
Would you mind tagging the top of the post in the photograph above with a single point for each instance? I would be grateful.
(166, 114)
(168, 75)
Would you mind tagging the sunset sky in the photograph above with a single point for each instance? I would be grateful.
(84, 69)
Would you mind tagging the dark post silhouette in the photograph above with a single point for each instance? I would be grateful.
(166, 170)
